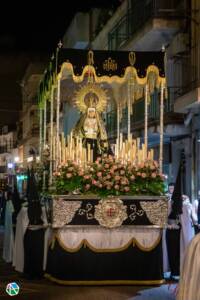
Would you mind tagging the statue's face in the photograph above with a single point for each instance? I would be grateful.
(91, 114)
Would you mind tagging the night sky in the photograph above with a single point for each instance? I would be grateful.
(27, 30)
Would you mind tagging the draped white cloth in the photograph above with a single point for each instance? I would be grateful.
(187, 233)
(103, 238)
(189, 284)
(8, 241)
(21, 227)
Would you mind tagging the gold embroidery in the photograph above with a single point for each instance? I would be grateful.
(156, 212)
(90, 57)
(132, 58)
(110, 64)
(110, 212)
(64, 211)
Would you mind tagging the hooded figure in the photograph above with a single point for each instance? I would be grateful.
(180, 230)
(34, 236)
(34, 205)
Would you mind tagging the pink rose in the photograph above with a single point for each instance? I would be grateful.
(99, 174)
(80, 173)
(108, 176)
(117, 178)
(68, 175)
(86, 177)
(122, 172)
(143, 175)
(132, 177)
(94, 182)
(153, 175)
(116, 187)
(100, 185)
(87, 187)
(126, 189)
(138, 174)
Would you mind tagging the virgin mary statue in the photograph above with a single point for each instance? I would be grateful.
(90, 127)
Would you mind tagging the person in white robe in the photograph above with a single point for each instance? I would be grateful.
(196, 214)
(8, 241)
(189, 284)
(187, 229)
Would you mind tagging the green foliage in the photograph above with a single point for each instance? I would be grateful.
(110, 177)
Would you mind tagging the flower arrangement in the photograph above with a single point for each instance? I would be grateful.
(108, 176)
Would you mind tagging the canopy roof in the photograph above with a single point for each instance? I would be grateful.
(106, 66)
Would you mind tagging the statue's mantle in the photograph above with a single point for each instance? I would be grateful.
(110, 212)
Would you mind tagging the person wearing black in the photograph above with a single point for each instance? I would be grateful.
(173, 240)
(174, 227)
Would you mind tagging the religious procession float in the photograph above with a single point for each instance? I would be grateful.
(108, 203)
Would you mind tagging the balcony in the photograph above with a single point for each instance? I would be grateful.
(137, 118)
(148, 25)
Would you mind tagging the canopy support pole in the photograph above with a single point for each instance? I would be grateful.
(45, 123)
(146, 120)
(57, 125)
(161, 127)
(41, 143)
(51, 137)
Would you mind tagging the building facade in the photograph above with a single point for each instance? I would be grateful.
(152, 25)
(28, 127)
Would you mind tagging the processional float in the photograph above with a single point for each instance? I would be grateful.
(99, 77)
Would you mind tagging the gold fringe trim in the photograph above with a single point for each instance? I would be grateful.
(85, 244)
(111, 79)
(105, 282)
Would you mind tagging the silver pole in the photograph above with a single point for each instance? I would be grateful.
(45, 123)
(51, 136)
(41, 143)
(57, 124)
(161, 127)
(146, 120)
